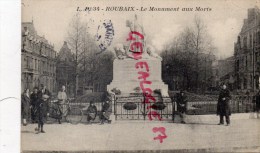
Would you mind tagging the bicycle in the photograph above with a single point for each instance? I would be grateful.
(71, 114)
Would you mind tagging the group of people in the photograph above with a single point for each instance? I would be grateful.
(35, 106)
(105, 112)
(223, 105)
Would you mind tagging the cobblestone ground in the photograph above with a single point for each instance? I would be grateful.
(200, 134)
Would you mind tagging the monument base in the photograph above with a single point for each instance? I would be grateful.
(125, 76)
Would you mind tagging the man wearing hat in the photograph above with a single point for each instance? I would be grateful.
(92, 112)
(34, 99)
(43, 91)
(223, 105)
(42, 112)
(181, 100)
(106, 112)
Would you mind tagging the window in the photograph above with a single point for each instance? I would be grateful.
(245, 42)
(35, 63)
(245, 83)
(237, 65)
(24, 62)
(256, 57)
(246, 61)
(250, 41)
(258, 37)
(43, 65)
(27, 62)
(31, 63)
(251, 80)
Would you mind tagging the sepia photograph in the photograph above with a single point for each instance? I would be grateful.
(140, 76)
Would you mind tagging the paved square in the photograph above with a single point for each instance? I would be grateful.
(201, 132)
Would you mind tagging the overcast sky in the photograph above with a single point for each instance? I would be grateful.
(224, 21)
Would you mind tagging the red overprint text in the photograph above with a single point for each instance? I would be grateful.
(161, 136)
(136, 46)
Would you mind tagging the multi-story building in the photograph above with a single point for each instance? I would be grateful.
(38, 60)
(66, 69)
(247, 53)
(226, 69)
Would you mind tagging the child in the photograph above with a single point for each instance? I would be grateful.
(42, 112)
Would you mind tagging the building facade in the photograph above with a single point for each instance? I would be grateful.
(247, 53)
(226, 68)
(66, 69)
(38, 59)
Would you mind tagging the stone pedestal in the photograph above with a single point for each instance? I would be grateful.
(125, 76)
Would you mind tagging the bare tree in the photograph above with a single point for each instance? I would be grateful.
(198, 39)
(89, 66)
(188, 55)
(75, 33)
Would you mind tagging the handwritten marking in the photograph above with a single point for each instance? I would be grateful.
(136, 48)
(162, 131)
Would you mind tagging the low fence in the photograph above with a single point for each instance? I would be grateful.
(134, 108)
(84, 106)
(239, 104)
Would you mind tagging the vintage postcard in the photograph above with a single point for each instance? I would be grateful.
(140, 76)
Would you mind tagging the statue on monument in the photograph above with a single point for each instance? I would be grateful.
(124, 51)
(127, 73)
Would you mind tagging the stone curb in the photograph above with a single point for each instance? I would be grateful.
(202, 150)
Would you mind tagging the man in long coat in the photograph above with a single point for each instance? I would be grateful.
(34, 99)
(181, 100)
(106, 112)
(26, 104)
(223, 106)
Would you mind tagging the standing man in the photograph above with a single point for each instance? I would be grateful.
(26, 106)
(62, 97)
(34, 98)
(181, 100)
(223, 106)
(257, 103)
(44, 91)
